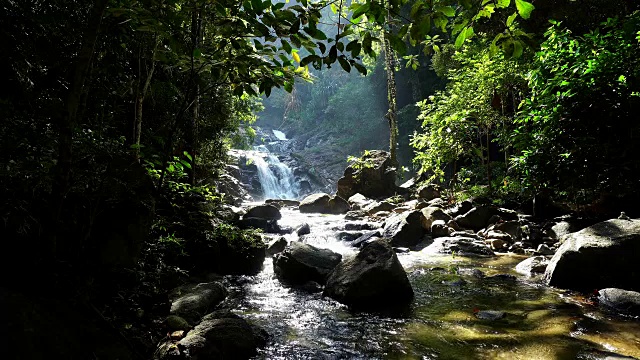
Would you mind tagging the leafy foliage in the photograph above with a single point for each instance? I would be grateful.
(577, 132)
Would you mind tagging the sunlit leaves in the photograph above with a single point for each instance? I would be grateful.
(524, 8)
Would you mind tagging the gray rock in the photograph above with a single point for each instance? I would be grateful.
(268, 212)
(437, 202)
(315, 203)
(348, 236)
(376, 207)
(440, 229)
(544, 250)
(220, 335)
(193, 301)
(354, 215)
(432, 214)
(300, 263)
(373, 279)
(460, 209)
(460, 246)
(276, 246)
(324, 203)
(303, 229)
(375, 180)
(404, 229)
(358, 201)
(497, 234)
(490, 315)
(626, 302)
(429, 192)
(366, 238)
(532, 266)
(510, 227)
(362, 225)
(601, 256)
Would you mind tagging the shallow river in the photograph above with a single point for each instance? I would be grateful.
(541, 323)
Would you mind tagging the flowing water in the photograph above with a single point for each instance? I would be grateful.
(276, 178)
(541, 323)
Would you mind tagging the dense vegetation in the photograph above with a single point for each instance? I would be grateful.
(117, 115)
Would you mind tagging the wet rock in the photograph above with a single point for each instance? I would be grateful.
(623, 301)
(404, 229)
(467, 233)
(510, 227)
(401, 250)
(316, 203)
(362, 225)
(193, 301)
(359, 201)
(502, 277)
(373, 279)
(440, 229)
(218, 336)
(299, 263)
(375, 180)
(303, 229)
(266, 225)
(428, 192)
(280, 203)
(490, 315)
(354, 215)
(175, 323)
(268, 212)
(497, 244)
(499, 235)
(437, 202)
(376, 207)
(432, 214)
(544, 250)
(478, 217)
(366, 238)
(338, 205)
(460, 209)
(276, 246)
(532, 266)
(348, 236)
(460, 246)
(600, 256)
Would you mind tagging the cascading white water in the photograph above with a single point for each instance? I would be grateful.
(276, 178)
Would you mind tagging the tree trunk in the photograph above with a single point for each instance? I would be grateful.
(391, 116)
(141, 93)
(192, 131)
(70, 119)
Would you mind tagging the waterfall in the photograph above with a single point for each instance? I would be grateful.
(276, 178)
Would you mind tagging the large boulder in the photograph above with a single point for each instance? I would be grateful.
(600, 256)
(372, 176)
(358, 201)
(428, 192)
(324, 203)
(405, 229)
(300, 263)
(432, 214)
(232, 188)
(532, 266)
(464, 246)
(478, 217)
(373, 279)
(627, 302)
(268, 212)
(193, 301)
(220, 335)
(315, 203)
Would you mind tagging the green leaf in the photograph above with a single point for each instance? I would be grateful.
(524, 8)
(344, 63)
(517, 49)
(288, 86)
(465, 34)
(511, 18)
(361, 69)
(286, 46)
(448, 11)
(334, 8)
(360, 10)
(256, 5)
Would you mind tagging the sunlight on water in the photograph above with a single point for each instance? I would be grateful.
(539, 323)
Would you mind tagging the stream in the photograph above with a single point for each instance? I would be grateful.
(540, 322)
